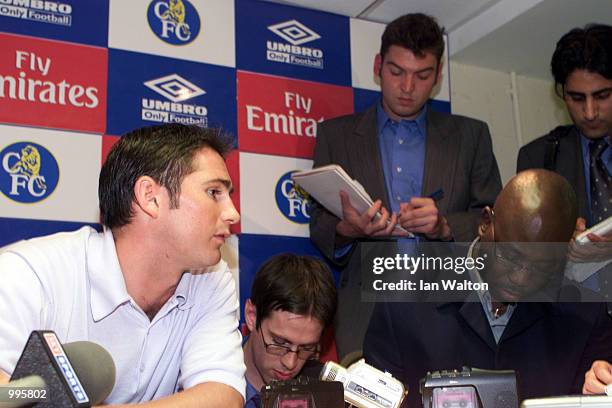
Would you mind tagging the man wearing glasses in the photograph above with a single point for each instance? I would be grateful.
(526, 321)
(293, 299)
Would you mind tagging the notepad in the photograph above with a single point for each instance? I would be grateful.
(325, 183)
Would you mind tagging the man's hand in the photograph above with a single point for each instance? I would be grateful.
(596, 379)
(598, 250)
(355, 225)
(420, 215)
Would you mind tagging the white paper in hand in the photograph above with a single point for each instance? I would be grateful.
(325, 183)
(600, 229)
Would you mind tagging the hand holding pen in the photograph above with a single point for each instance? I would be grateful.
(421, 215)
(377, 221)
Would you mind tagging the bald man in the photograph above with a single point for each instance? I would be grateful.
(550, 344)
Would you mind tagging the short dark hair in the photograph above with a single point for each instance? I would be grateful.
(416, 32)
(164, 153)
(588, 48)
(298, 284)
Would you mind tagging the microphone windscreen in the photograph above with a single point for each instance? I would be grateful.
(94, 367)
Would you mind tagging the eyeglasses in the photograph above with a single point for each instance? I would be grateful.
(509, 262)
(302, 352)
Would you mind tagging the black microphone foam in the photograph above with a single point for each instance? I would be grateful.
(72, 380)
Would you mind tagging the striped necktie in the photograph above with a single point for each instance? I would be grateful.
(601, 182)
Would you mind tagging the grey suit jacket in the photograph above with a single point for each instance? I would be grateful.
(458, 158)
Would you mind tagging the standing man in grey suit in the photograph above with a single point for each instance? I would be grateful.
(401, 152)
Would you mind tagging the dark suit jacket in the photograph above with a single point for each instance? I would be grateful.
(550, 345)
(458, 158)
(568, 163)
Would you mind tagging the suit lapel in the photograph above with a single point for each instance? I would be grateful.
(440, 161)
(439, 158)
(475, 318)
(571, 165)
(524, 316)
(367, 167)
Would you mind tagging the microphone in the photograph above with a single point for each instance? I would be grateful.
(94, 367)
(80, 374)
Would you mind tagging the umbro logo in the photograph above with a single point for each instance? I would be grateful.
(175, 88)
(294, 32)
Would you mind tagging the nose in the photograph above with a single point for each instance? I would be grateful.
(520, 276)
(230, 214)
(591, 108)
(290, 360)
(407, 84)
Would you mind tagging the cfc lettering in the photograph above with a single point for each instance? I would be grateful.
(296, 202)
(35, 184)
(171, 24)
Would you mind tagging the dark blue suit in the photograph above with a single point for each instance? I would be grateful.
(550, 345)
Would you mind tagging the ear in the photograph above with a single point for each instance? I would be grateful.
(439, 74)
(250, 315)
(486, 224)
(147, 195)
(377, 65)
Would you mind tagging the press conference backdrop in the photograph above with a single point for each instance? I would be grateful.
(75, 75)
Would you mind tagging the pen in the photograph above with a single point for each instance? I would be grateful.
(437, 195)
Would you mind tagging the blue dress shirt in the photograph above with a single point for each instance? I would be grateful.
(253, 397)
(402, 154)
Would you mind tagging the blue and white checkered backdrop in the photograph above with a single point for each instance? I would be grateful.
(75, 75)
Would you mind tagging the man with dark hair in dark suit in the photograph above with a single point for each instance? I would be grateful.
(401, 152)
(582, 68)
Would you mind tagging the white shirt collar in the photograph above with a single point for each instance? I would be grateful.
(108, 290)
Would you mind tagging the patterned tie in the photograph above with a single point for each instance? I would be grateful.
(601, 205)
(601, 182)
